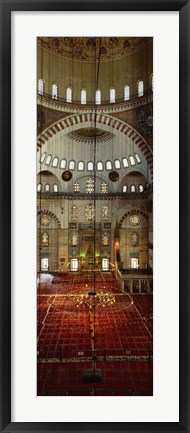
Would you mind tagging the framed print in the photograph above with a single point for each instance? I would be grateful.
(94, 219)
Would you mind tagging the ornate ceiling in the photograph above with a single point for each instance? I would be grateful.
(88, 49)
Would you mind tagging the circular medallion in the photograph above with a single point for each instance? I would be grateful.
(134, 220)
(67, 175)
(45, 220)
(114, 176)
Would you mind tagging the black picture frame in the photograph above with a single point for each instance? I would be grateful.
(6, 7)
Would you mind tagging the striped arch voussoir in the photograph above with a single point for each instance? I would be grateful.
(50, 214)
(132, 212)
(103, 120)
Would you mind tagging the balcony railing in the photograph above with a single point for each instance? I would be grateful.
(100, 196)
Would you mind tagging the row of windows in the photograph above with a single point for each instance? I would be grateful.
(47, 187)
(98, 93)
(117, 164)
(89, 187)
(133, 188)
(89, 216)
(89, 213)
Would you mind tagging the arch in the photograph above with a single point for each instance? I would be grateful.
(132, 212)
(101, 119)
(50, 214)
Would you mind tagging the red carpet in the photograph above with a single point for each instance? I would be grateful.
(116, 338)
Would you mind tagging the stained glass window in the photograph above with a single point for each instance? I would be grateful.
(105, 239)
(39, 187)
(40, 86)
(71, 165)
(98, 97)
(80, 166)
(48, 160)
(134, 239)
(69, 95)
(137, 158)
(55, 187)
(133, 188)
(76, 187)
(112, 96)
(74, 239)
(108, 165)
(63, 163)
(126, 93)
(74, 213)
(54, 91)
(89, 212)
(117, 163)
(47, 187)
(90, 166)
(104, 187)
(44, 239)
(55, 162)
(105, 213)
(140, 87)
(43, 157)
(125, 163)
(83, 96)
(132, 160)
(99, 166)
(90, 186)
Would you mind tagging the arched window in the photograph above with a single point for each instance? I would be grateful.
(132, 160)
(141, 188)
(90, 166)
(40, 86)
(55, 162)
(112, 95)
(104, 187)
(126, 93)
(117, 163)
(55, 187)
(63, 163)
(76, 187)
(140, 88)
(124, 188)
(137, 158)
(39, 187)
(54, 91)
(74, 239)
(133, 188)
(71, 165)
(125, 163)
(90, 186)
(74, 213)
(89, 212)
(48, 160)
(44, 239)
(105, 213)
(80, 166)
(69, 94)
(151, 82)
(98, 97)
(134, 239)
(83, 96)
(43, 157)
(99, 166)
(108, 165)
(47, 187)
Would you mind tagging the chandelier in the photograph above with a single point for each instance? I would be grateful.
(93, 299)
